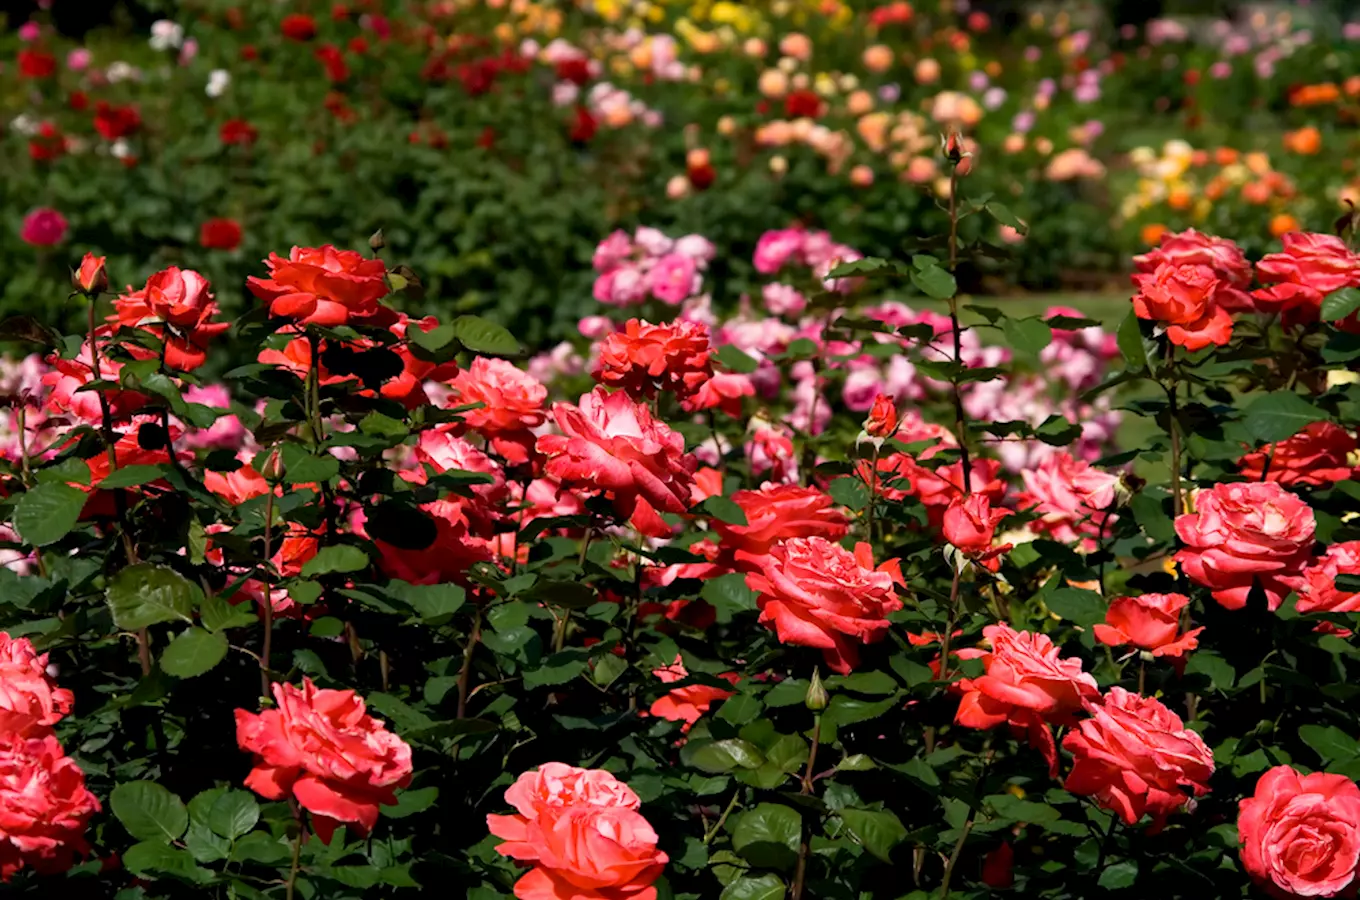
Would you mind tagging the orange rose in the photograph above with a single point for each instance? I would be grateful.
(1185, 299)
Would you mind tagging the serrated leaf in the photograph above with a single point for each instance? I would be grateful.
(482, 336)
(233, 814)
(1278, 415)
(46, 513)
(1329, 742)
(337, 558)
(934, 281)
(131, 476)
(146, 594)
(1119, 875)
(724, 510)
(1340, 304)
(1085, 608)
(729, 595)
(150, 859)
(760, 887)
(768, 836)
(193, 652)
(1129, 338)
(877, 831)
(849, 491)
(735, 360)
(1029, 336)
(217, 614)
(148, 811)
(720, 757)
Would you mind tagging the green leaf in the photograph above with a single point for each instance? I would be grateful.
(556, 669)
(1129, 338)
(379, 425)
(734, 360)
(721, 757)
(482, 336)
(410, 802)
(1119, 875)
(46, 513)
(1275, 416)
(152, 858)
(563, 594)
(146, 594)
(1085, 608)
(1029, 336)
(849, 492)
(1330, 742)
(1058, 431)
(1218, 670)
(1340, 304)
(933, 281)
(148, 811)
(878, 831)
(866, 266)
(233, 814)
(729, 595)
(337, 558)
(301, 467)
(1003, 214)
(193, 653)
(260, 847)
(760, 887)
(768, 836)
(724, 510)
(607, 669)
(435, 603)
(132, 476)
(434, 340)
(217, 614)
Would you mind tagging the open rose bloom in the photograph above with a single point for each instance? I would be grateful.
(1300, 834)
(30, 702)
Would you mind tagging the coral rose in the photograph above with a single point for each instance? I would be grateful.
(557, 786)
(1135, 756)
(1300, 834)
(1318, 455)
(611, 443)
(177, 306)
(30, 701)
(882, 419)
(817, 594)
(324, 286)
(588, 853)
(1310, 267)
(687, 704)
(1149, 622)
(1191, 248)
(673, 278)
(323, 749)
(970, 526)
(1184, 298)
(512, 405)
(1242, 534)
(44, 806)
(1072, 497)
(778, 512)
(1027, 685)
(642, 358)
(1318, 591)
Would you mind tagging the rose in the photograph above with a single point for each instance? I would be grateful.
(817, 594)
(970, 526)
(456, 542)
(1072, 497)
(324, 286)
(673, 278)
(552, 786)
(640, 358)
(66, 378)
(92, 277)
(43, 227)
(778, 512)
(321, 748)
(220, 234)
(1310, 267)
(237, 486)
(686, 704)
(588, 853)
(775, 248)
(174, 296)
(30, 701)
(1184, 298)
(882, 419)
(445, 452)
(1191, 248)
(1318, 591)
(1318, 455)
(512, 405)
(1150, 622)
(937, 488)
(44, 806)
(1242, 534)
(1300, 834)
(723, 391)
(612, 444)
(1135, 756)
(1027, 685)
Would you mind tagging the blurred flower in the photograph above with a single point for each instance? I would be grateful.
(43, 227)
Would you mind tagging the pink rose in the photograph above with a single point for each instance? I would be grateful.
(1310, 267)
(612, 444)
(1184, 299)
(775, 248)
(1242, 534)
(512, 404)
(1135, 756)
(817, 594)
(43, 227)
(321, 748)
(1300, 834)
(30, 701)
(557, 785)
(1318, 455)
(44, 806)
(672, 278)
(612, 251)
(1071, 496)
(775, 513)
(1317, 588)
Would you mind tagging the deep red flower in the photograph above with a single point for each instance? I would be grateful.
(220, 234)
(583, 126)
(298, 27)
(37, 64)
(114, 122)
(48, 144)
(78, 101)
(487, 139)
(576, 70)
(237, 131)
(358, 45)
(331, 57)
(802, 104)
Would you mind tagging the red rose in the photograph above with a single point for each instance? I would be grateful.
(1027, 685)
(1135, 756)
(882, 420)
(324, 286)
(775, 513)
(583, 125)
(970, 526)
(1318, 455)
(1242, 534)
(333, 60)
(298, 27)
(723, 391)
(817, 594)
(686, 704)
(575, 69)
(238, 486)
(43, 227)
(30, 701)
(802, 104)
(220, 234)
(611, 443)
(1310, 267)
(1150, 622)
(47, 145)
(998, 867)
(44, 806)
(1191, 248)
(237, 131)
(512, 405)
(114, 122)
(1184, 298)
(1300, 834)
(180, 299)
(456, 547)
(673, 356)
(1317, 589)
(37, 64)
(936, 489)
(321, 748)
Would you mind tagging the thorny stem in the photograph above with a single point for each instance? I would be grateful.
(873, 493)
(465, 671)
(297, 856)
(954, 858)
(960, 420)
(314, 390)
(717, 826)
(560, 626)
(800, 873)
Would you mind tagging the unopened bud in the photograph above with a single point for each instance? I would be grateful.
(377, 242)
(91, 278)
(817, 698)
(272, 467)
